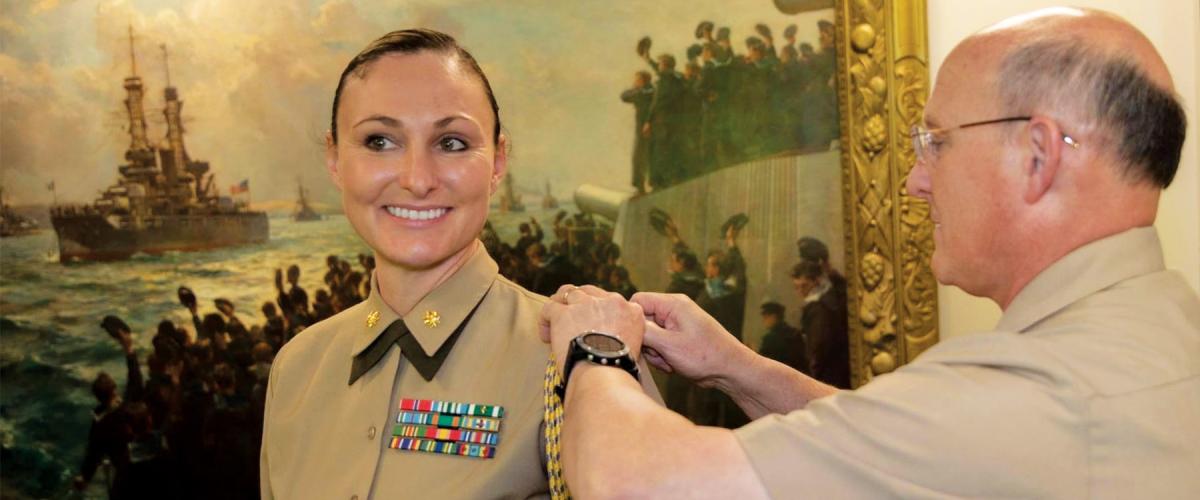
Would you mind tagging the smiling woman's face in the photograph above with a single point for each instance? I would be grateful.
(415, 159)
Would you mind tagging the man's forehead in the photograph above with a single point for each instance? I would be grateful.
(965, 83)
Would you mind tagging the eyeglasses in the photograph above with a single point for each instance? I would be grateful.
(925, 149)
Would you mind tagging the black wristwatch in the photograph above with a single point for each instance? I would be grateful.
(599, 348)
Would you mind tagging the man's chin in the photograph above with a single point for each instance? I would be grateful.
(940, 269)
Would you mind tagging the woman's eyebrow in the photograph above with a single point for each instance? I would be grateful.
(384, 119)
(445, 122)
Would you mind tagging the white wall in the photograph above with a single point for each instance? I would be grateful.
(1174, 28)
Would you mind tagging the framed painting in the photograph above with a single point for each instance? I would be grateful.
(752, 157)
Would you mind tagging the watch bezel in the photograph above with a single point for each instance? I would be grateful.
(579, 350)
(581, 340)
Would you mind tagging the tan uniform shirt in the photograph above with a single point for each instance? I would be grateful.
(1088, 388)
(326, 439)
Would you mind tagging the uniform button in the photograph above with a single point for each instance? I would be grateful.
(370, 434)
(354, 497)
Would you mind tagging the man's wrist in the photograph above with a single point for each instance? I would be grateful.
(589, 375)
(729, 377)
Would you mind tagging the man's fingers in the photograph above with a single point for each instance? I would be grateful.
(656, 360)
(549, 311)
(594, 291)
(657, 306)
(656, 337)
(560, 295)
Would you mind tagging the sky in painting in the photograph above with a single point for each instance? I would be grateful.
(257, 79)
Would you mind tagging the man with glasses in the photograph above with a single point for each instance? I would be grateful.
(1045, 145)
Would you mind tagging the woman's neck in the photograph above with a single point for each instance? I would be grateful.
(402, 288)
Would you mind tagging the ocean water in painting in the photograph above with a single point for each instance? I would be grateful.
(51, 345)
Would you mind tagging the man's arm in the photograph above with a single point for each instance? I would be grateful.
(682, 338)
(538, 234)
(618, 443)
(630, 95)
(134, 384)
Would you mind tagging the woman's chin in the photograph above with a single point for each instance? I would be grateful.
(416, 257)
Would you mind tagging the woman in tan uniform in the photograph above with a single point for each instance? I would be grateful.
(432, 387)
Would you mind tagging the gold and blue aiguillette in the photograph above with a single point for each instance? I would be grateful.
(464, 429)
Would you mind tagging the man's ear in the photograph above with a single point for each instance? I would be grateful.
(500, 163)
(1046, 143)
(331, 160)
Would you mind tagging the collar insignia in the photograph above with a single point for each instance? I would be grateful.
(432, 319)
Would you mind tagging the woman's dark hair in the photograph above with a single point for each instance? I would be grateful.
(411, 41)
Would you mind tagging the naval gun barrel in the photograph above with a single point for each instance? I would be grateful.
(602, 201)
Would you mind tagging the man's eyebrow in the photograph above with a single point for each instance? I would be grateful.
(384, 119)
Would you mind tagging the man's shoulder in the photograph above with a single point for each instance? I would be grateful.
(1137, 334)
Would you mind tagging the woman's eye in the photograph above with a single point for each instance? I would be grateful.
(379, 143)
(452, 144)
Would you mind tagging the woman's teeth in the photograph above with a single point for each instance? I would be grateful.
(409, 214)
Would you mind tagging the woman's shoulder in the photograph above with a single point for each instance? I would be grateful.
(510, 304)
(511, 291)
(324, 338)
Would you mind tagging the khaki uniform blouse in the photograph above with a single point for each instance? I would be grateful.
(325, 438)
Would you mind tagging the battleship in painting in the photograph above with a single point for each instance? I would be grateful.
(304, 211)
(163, 200)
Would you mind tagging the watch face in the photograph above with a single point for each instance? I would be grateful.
(603, 343)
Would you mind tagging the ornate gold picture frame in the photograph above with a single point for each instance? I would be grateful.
(883, 82)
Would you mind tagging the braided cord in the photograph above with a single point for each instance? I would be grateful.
(552, 417)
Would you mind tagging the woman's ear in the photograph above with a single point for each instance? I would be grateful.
(500, 163)
(331, 160)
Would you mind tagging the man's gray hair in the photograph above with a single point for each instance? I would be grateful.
(1145, 124)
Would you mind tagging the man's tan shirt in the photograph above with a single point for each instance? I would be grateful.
(1088, 388)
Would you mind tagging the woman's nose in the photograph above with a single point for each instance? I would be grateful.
(418, 173)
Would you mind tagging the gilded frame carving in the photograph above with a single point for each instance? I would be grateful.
(883, 82)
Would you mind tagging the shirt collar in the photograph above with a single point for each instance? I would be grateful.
(1086, 270)
(818, 291)
(439, 313)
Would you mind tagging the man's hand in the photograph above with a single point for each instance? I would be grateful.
(573, 310)
(681, 338)
(125, 338)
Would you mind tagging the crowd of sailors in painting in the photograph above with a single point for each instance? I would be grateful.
(191, 425)
(730, 105)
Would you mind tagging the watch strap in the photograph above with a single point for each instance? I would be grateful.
(576, 353)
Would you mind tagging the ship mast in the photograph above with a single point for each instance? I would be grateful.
(139, 145)
(178, 160)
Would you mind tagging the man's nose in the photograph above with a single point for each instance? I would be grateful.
(919, 183)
